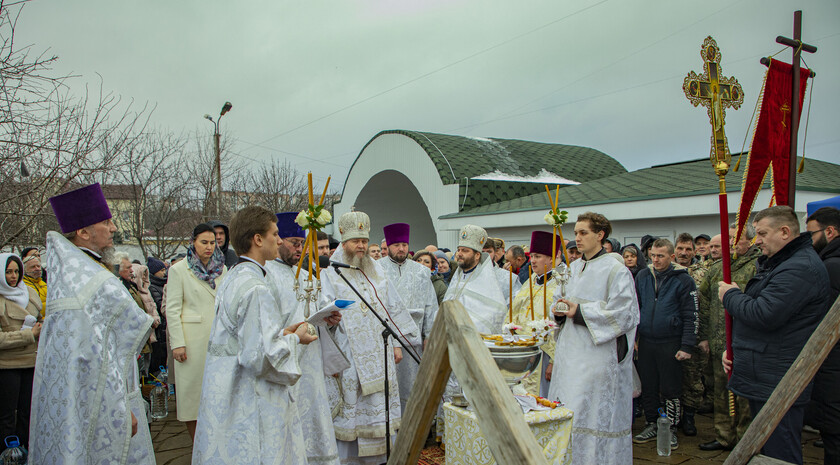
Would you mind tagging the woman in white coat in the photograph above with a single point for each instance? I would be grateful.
(190, 310)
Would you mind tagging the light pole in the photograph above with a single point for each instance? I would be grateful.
(216, 140)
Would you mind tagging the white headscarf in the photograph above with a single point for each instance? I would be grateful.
(20, 293)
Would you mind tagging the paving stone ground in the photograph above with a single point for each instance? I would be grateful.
(173, 446)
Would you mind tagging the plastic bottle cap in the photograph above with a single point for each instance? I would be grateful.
(12, 441)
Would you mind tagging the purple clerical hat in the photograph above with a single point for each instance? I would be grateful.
(287, 226)
(80, 208)
(397, 232)
(541, 243)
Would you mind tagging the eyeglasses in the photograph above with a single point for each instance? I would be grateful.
(818, 230)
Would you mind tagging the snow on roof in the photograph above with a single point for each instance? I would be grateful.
(543, 176)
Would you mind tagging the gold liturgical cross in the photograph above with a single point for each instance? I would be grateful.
(715, 93)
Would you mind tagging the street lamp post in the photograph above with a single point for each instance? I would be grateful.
(217, 146)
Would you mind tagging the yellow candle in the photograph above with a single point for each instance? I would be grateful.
(545, 296)
(510, 291)
(531, 291)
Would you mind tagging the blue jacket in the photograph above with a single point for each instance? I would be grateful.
(668, 307)
(774, 317)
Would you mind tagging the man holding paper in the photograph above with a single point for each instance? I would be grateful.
(310, 392)
(357, 394)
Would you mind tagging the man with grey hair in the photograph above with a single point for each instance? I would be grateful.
(712, 336)
(772, 319)
(516, 259)
(357, 395)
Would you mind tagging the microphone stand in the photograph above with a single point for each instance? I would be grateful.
(386, 333)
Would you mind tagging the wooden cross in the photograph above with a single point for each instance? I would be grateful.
(714, 92)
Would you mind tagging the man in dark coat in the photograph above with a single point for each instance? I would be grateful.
(823, 412)
(773, 319)
(223, 242)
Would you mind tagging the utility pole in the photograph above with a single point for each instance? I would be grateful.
(217, 146)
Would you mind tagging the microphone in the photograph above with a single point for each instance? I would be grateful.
(342, 265)
(323, 262)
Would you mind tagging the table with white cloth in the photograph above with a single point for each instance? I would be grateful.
(465, 445)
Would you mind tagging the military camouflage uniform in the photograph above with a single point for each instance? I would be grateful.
(698, 381)
(728, 430)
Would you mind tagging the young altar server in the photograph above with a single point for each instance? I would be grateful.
(593, 373)
(310, 392)
(247, 413)
(86, 404)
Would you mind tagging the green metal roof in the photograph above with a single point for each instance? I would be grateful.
(682, 179)
(459, 158)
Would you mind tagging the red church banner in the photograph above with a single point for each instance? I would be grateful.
(771, 140)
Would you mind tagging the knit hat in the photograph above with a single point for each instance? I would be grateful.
(80, 208)
(154, 265)
(354, 225)
(472, 237)
(440, 254)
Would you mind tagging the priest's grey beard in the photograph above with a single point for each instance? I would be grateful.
(107, 255)
(365, 263)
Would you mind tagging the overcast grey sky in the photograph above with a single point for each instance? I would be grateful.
(313, 81)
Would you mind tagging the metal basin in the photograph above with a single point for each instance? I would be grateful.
(515, 362)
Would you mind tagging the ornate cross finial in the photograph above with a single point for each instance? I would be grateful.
(714, 92)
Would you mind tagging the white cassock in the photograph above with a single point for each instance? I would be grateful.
(86, 381)
(358, 394)
(587, 375)
(310, 392)
(247, 412)
(506, 284)
(413, 283)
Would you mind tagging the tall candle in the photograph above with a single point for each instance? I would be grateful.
(531, 290)
(510, 292)
(545, 296)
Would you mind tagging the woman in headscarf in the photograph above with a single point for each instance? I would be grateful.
(425, 258)
(19, 315)
(141, 280)
(633, 259)
(190, 310)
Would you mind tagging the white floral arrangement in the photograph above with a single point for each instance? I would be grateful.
(316, 216)
(556, 218)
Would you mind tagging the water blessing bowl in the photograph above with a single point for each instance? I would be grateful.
(515, 362)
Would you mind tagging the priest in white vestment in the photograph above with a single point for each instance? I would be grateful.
(593, 371)
(86, 403)
(476, 285)
(414, 285)
(247, 412)
(541, 286)
(310, 392)
(358, 392)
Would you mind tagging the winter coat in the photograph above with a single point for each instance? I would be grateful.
(18, 347)
(712, 316)
(823, 411)
(774, 317)
(230, 255)
(667, 306)
(440, 286)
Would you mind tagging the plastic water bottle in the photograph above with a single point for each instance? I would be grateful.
(663, 435)
(15, 454)
(160, 402)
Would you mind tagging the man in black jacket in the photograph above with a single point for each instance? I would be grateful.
(823, 412)
(773, 319)
(223, 242)
(667, 334)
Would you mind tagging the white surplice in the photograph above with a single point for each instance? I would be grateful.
(86, 381)
(358, 394)
(414, 285)
(587, 375)
(310, 392)
(247, 412)
(480, 293)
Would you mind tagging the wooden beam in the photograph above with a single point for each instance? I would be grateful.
(499, 415)
(789, 388)
(425, 395)
(765, 460)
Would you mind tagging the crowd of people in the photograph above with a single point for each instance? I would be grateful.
(271, 362)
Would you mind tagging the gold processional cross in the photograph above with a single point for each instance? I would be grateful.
(715, 93)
